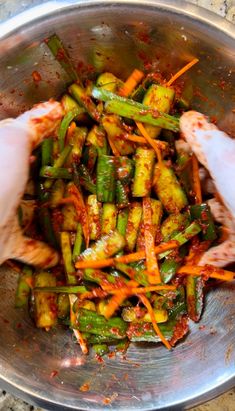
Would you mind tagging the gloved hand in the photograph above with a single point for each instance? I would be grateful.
(18, 137)
(216, 152)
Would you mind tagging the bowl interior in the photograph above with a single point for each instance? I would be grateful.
(48, 367)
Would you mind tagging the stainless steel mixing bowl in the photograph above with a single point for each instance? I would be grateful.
(48, 368)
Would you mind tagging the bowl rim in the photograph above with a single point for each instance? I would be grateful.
(50, 7)
(39, 12)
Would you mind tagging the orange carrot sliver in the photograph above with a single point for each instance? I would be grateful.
(78, 335)
(196, 180)
(71, 129)
(140, 290)
(157, 330)
(81, 211)
(130, 84)
(80, 340)
(117, 299)
(161, 145)
(182, 71)
(66, 200)
(126, 259)
(113, 305)
(149, 140)
(135, 138)
(207, 270)
(113, 147)
(82, 264)
(30, 282)
(151, 259)
(140, 255)
(120, 294)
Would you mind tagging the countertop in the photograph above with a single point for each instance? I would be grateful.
(226, 9)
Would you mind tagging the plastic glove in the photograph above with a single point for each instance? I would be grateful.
(18, 137)
(216, 152)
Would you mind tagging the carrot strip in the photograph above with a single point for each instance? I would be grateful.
(161, 145)
(157, 330)
(66, 200)
(140, 255)
(81, 211)
(81, 341)
(113, 147)
(182, 71)
(117, 299)
(134, 138)
(82, 264)
(196, 180)
(71, 130)
(130, 84)
(207, 271)
(149, 140)
(78, 335)
(140, 290)
(151, 259)
(120, 294)
(113, 305)
(126, 259)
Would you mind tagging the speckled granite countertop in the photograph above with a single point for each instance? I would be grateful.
(226, 9)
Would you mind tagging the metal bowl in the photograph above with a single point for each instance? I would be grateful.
(48, 369)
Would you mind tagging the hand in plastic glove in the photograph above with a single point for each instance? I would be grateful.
(216, 152)
(17, 140)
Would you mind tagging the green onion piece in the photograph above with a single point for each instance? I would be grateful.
(59, 52)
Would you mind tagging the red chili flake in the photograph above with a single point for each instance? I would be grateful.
(19, 325)
(202, 327)
(80, 65)
(143, 56)
(99, 359)
(32, 159)
(143, 36)
(36, 76)
(54, 373)
(85, 387)
(148, 65)
(60, 54)
(6, 321)
(213, 119)
(90, 68)
(222, 84)
(198, 94)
